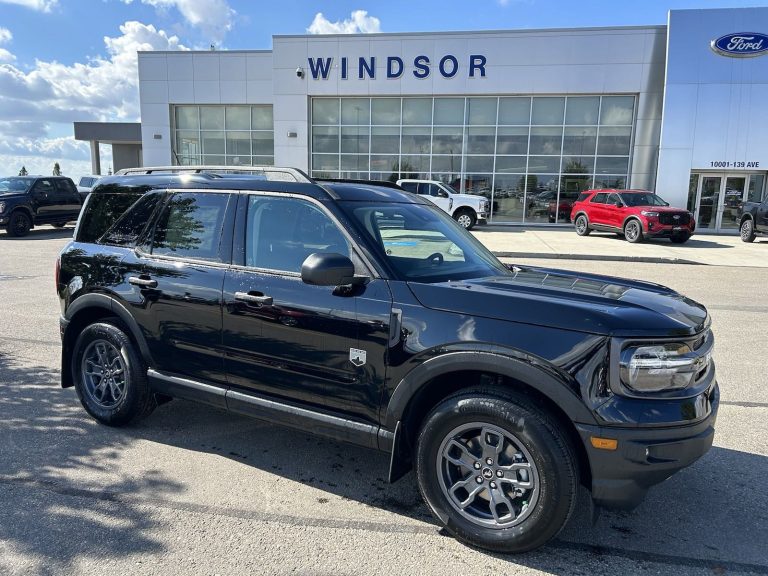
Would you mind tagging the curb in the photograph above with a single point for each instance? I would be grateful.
(607, 258)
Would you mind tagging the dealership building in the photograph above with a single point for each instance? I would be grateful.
(526, 117)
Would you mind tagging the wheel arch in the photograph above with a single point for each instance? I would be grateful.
(745, 217)
(438, 378)
(91, 308)
(626, 221)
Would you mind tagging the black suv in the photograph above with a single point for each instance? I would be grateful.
(27, 201)
(366, 314)
(753, 220)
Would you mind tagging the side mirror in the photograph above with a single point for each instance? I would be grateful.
(329, 269)
(442, 194)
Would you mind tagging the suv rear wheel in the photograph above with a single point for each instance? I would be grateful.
(109, 375)
(496, 471)
(747, 231)
(19, 224)
(466, 218)
(633, 231)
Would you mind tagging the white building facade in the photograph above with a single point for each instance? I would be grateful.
(527, 118)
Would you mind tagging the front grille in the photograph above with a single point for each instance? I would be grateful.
(674, 218)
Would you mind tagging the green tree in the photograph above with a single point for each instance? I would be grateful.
(56, 169)
(23, 171)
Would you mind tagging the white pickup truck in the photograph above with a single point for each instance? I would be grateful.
(466, 209)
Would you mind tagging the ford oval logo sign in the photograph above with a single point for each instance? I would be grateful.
(741, 45)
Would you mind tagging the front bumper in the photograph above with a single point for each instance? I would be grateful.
(644, 456)
(656, 230)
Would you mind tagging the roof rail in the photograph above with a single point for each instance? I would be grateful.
(274, 173)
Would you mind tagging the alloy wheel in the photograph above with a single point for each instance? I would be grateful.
(487, 475)
(631, 231)
(103, 372)
(581, 224)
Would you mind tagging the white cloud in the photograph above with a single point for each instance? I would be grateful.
(5, 35)
(213, 17)
(358, 23)
(51, 94)
(6, 56)
(39, 5)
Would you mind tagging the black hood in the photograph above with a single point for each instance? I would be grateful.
(571, 301)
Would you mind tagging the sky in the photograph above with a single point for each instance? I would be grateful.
(63, 61)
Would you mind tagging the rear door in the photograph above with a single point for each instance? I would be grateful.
(69, 199)
(596, 209)
(176, 279)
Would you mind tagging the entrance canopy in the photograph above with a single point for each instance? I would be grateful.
(125, 138)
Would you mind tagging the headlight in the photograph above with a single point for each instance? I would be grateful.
(2, 207)
(649, 213)
(662, 367)
(486, 204)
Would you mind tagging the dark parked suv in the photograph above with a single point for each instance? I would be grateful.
(27, 201)
(366, 314)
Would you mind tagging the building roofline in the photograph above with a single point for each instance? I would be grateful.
(259, 51)
(483, 32)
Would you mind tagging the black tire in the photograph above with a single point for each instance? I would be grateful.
(59, 224)
(679, 238)
(136, 400)
(582, 225)
(19, 224)
(466, 218)
(536, 436)
(633, 231)
(747, 230)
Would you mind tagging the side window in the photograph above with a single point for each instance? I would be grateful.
(432, 189)
(613, 199)
(282, 232)
(43, 187)
(583, 196)
(65, 189)
(410, 187)
(190, 226)
(128, 227)
(599, 198)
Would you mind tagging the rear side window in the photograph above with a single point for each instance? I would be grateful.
(599, 198)
(101, 213)
(409, 186)
(190, 226)
(127, 229)
(583, 196)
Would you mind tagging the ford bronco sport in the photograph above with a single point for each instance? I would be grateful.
(366, 314)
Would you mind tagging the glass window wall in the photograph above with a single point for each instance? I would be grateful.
(224, 135)
(531, 155)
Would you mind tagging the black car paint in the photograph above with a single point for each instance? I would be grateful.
(287, 361)
(60, 205)
(758, 213)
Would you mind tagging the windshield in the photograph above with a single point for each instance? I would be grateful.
(422, 243)
(14, 184)
(642, 199)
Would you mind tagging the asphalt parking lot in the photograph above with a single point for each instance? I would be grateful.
(193, 490)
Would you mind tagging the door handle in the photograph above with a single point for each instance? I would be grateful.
(142, 281)
(260, 299)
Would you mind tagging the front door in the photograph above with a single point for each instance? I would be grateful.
(719, 197)
(315, 345)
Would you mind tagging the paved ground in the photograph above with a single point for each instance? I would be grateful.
(193, 490)
(563, 243)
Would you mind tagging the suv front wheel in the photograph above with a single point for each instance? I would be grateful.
(109, 375)
(747, 231)
(496, 470)
(466, 218)
(633, 231)
(19, 224)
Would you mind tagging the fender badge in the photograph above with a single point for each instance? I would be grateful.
(357, 357)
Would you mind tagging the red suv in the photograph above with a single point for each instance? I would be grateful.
(636, 214)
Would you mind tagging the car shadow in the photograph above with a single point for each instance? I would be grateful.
(48, 440)
(48, 519)
(43, 232)
(694, 242)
